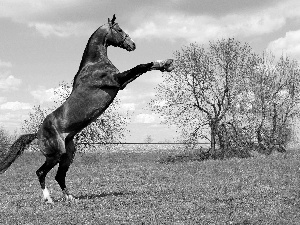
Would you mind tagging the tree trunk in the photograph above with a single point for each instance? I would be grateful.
(258, 135)
(223, 140)
(213, 134)
(262, 148)
(274, 129)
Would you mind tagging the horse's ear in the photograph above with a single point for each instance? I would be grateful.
(113, 19)
(108, 20)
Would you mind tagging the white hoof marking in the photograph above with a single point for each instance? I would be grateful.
(46, 196)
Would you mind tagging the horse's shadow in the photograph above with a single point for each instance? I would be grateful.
(105, 194)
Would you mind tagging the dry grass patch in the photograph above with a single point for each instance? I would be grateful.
(136, 189)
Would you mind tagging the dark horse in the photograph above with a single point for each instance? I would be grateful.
(95, 86)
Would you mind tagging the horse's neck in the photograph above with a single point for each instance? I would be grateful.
(95, 51)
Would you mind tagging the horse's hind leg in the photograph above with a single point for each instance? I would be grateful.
(64, 164)
(42, 173)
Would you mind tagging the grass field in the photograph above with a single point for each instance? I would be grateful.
(134, 188)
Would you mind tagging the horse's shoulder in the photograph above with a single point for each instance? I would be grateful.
(99, 68)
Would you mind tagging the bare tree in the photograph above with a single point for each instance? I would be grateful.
(32, 125)
(148, 139)
(275, 91)
(205, 84)
(36, 117)
(5, 141)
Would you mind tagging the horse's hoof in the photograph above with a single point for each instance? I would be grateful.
(169, 61)
(168, 65)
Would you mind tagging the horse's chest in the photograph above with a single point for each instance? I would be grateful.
(96, 102)
(100, 101)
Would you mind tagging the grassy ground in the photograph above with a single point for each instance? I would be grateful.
(136, 189)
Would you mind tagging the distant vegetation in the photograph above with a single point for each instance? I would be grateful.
(5, 140)
(236, 99)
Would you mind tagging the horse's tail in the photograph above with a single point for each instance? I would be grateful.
(16, 150)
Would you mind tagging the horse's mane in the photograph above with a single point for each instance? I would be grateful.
(84, 55)
(85, 52)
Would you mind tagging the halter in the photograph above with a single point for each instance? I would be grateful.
(123, 37)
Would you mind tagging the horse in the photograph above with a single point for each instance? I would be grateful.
(95, 86)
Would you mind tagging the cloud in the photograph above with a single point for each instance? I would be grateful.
(12, 120)
(127, 94)
(192, 21)
(47, 17)
(127, 106)
(146, 118)
(6, 117)
(49, 95)
(5, 64)
(80, 10)
(29, 10)
(2, 99)
(203, 28)
(155, 77)
(9, 82)
(14, 106)
(43, 95)
(130, 94)
(160, 103)
(61, 30)
(289, 44)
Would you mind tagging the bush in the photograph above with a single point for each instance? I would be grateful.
(5, 140)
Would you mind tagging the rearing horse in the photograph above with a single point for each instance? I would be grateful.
(95, 86)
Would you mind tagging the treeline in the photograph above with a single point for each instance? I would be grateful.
(227, 94)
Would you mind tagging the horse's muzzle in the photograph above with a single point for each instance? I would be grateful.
(131, 47)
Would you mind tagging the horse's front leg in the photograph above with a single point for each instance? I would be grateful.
(163, 65)
(128, 76)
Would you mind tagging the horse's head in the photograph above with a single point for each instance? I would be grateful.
(117, 37)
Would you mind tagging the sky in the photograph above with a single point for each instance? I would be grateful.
(42, 42)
